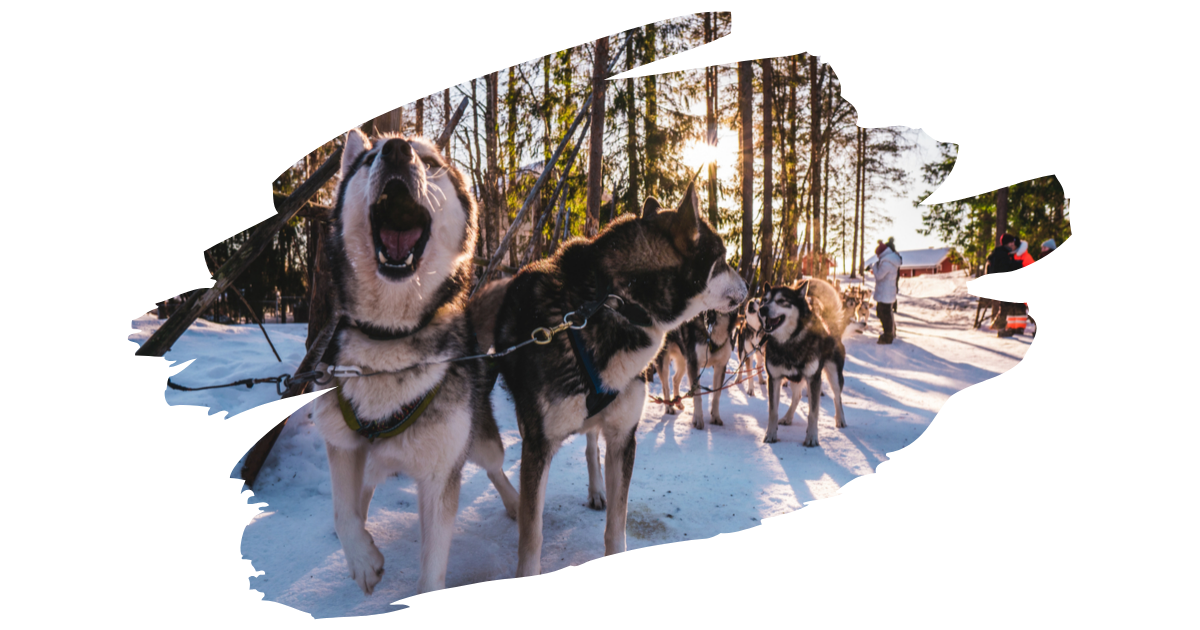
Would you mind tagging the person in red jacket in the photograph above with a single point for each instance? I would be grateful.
(1022, 254)
(1018, 317)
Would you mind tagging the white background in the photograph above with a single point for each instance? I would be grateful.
(1060, 494)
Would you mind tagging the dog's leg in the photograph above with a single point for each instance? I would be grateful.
(346, 468)
(620, 429)
(488, 452)
(676, 379)
(694, 388)
(664, 375)
(746, 371)
(718, 380)
(791, 412)
(831, 373)
(814, 409)
(437, 500)
(595, 473)
(536, 452)
(760, 359)
(773, 383)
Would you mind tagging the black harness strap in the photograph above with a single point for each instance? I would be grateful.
(599, 396)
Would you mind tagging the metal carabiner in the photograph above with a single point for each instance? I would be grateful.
(567, 318)
(546, 333)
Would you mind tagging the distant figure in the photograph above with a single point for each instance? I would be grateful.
(1048, 246)
(1022, 254)
(887, 286)
(1002, 260)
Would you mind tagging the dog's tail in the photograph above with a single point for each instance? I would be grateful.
(483, 309)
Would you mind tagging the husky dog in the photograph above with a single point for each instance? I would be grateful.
(636, 281)
(401, 242)
(799, 346)
(705, 341)
(749, 340)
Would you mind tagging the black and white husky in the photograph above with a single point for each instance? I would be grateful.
(652, 273)
(705, 341)
(749, 341)
(803, 339)
(402, 237)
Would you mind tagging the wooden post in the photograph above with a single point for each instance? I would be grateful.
(258, 453)
(161, 341)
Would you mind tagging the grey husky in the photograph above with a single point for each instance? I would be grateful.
(705, 341)
(401, 242)
(621, 292)
(803, 339)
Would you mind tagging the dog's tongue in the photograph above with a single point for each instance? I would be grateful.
(399, 243)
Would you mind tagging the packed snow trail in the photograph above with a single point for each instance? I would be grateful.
(687, 484)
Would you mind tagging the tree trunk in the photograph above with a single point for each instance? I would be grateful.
(493, 168)
(746, 120)
(825, 207)
(858, 163)
(653, 136)
(389, 122)
(446, 118)
(596, 144)
(631, 193)
(768, 234)
(1001, 213)
(419, 122)
(511, 94)
(710, 120)
(814, 101)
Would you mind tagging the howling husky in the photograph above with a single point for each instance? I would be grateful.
(802, 340)
(402, 237)
(622, 292)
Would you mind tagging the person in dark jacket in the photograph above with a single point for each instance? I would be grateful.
(1002, 260)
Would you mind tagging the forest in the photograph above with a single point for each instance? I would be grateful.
(787, 177)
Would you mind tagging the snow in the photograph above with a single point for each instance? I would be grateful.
(914, 258)
(687, 484)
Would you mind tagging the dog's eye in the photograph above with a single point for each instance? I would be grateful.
(369, 160)
(431, 163)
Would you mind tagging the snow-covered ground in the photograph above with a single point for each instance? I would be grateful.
(687, 484)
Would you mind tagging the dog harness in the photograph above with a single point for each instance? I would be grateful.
(395, 424)
(599, 395)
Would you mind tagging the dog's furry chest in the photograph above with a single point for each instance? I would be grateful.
(415, 361)
(799, 358)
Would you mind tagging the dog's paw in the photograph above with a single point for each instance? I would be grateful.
(671, 410)
(841, 423)
(698, 423)
(770, 438)
(596, 500)
(811, 441)
(717, 420)
(787, 420)
(365, 563)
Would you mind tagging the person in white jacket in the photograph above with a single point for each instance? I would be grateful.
(887, 286)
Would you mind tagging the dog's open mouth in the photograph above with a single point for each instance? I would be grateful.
(400, 227)
(771, 323)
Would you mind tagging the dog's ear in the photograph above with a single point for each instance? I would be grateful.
(687, 217)
(356, 144)
(803, 292)
(650, 208)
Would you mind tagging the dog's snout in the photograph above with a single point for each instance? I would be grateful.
(396, 152)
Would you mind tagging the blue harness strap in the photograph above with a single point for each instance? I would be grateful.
(598, 396)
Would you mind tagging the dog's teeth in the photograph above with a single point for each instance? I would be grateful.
(382, 258)
(408, 261)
